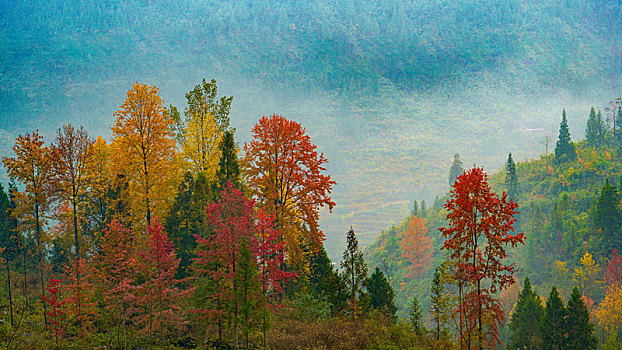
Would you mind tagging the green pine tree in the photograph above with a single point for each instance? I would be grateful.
(511, 179)
(580, 331)
(380, 293)
(564, 149)
(455, 170)
(228, 166)
(324, 281)
(249, 296)
(422, 210)
(416, 209)
(528, 311)
(608, 219)
(595, 129)
(440, 301)
(415, 317)
(552, 326)
(354, 269)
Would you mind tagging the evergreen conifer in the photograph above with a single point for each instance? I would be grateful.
(527, 312)
(580, 334)
(552, 325)
(564, 149)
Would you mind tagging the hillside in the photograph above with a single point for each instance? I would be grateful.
(557, 212)
(388, 90)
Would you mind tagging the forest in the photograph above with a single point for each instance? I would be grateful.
(172, 235)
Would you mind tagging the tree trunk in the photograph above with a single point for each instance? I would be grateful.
(40, 257)
(8, 281)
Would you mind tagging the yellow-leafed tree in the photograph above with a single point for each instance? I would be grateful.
(587, 276)
(143, 153)
(201, 140)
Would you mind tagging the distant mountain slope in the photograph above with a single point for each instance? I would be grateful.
(557, 204)
(389, 90)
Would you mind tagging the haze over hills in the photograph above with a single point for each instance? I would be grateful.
(388, 90)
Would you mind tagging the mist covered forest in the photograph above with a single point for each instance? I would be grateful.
(388, 93)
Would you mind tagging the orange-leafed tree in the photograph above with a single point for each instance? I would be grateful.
(80, 295)
(161, 296)
(480, 227)
(286, 175)
(71, 152)
(144, 152)
(31, 167)
(416, 247)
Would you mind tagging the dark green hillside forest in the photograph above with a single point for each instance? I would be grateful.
(387, 87)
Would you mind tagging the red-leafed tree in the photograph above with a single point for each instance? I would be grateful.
(56, 314)
(161, 296)
(81, 304)
(480, 227)
(232, 220)
(614, 269)
(117, 270)
(285, 173)
(416, 247)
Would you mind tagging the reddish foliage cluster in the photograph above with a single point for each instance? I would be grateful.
(56, 314)
(614, 269)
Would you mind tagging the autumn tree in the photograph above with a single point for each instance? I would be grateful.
(609, 312)
(80, 298)
(31, 167)
(71, 152)
(161, 296)
(587, 275)
(203, 100)
(614, 269)
(98, 204)
(354, 269)
(200, 147)
(480, 226)
(527, 313)
(416, 247)
(116, 265)
(564, 149)
(455, 170)
(552, 326)
(285, 173)
(56, 313)
(144, 151)
(580, 333)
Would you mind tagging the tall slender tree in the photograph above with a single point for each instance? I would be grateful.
(564, 149)
(416, 247)
(511, 179)
(480, 226)
(144, 152)
(354, 269)
(31, 167)
(595, 129)
(71, 153)
(415, 317)
(440, 301)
